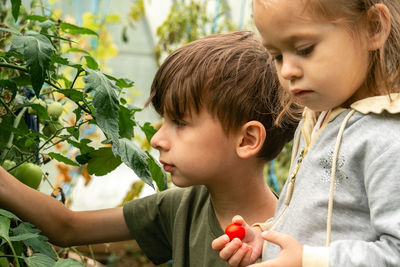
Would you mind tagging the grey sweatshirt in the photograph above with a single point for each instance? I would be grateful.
(366, 204)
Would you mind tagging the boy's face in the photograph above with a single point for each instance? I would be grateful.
(319, 63)
(195, 150)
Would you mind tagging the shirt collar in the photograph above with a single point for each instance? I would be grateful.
(378, 104)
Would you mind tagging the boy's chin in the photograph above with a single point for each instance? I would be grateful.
(181, 181)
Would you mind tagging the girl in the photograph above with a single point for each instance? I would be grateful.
(341, 203)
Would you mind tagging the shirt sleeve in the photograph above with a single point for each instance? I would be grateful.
(315, 256)
(382, 184)
(150, 221)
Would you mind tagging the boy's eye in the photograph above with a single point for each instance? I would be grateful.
(179, 123)
(277, 58)
(306, 51)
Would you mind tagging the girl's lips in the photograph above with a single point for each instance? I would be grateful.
(300, 92)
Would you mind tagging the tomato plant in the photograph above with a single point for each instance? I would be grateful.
(8, 164)
(30, 174)
(54, 110)
(51, 127)
(235, 230)
(36, 102)
(37, 76)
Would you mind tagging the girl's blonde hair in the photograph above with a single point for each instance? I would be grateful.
(384, 65)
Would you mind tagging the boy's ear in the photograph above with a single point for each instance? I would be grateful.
(378, 26)
(251, 139)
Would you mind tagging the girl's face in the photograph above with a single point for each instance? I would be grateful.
(318, 62)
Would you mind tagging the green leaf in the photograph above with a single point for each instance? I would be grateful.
(60, 60)
(134, 158)
(125, 123)
(5, 125)
(102, 161)
(39, 243)
(105, 102)
(37, 18)
(10, 30)
(37, 50)
(4, 228)
(72, 94)
(62, 158)
(23, 237)
(45, 25)
(157, 172)
(9, 215)
(39, 260)
(121, 83)
(82, 145)
(91, 63)
(83, 158)
(68, 263)
(73, 29)
(40, 111)
(77, 50)
(15, 4)
(148, 130)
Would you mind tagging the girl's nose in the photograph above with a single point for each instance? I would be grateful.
(290, 69)
(159, 140)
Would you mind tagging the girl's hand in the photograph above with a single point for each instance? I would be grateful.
(291, 253)
(237, 252)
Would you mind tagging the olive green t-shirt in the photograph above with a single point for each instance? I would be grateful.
(178, 224)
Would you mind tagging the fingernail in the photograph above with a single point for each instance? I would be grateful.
(264, 233)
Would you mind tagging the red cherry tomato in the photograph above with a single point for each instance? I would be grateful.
(235, 230)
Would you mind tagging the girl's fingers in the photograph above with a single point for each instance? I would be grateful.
(277, 238)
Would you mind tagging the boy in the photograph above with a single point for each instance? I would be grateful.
(215, 95)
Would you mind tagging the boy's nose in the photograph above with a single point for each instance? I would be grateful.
(290, 70)
(159, 141)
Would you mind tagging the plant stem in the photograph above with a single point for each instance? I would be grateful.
(13, 251)
(11, 66)
(11, 138)
(16, 67)
(76, 77)
(92, 255)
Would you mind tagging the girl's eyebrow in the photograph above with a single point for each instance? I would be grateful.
(291, 39)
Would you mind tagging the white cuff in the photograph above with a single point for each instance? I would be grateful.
(315, 256)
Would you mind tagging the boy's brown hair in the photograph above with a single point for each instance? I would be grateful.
(231, 77)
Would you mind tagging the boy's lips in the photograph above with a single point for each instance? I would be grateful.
(167, 167)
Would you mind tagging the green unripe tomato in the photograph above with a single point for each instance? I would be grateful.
(51, 127)
(54, 110)
(29, 174)
(36, 101)
(8, 164)
(3, 260)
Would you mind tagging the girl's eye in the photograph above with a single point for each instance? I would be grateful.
(306, 51)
